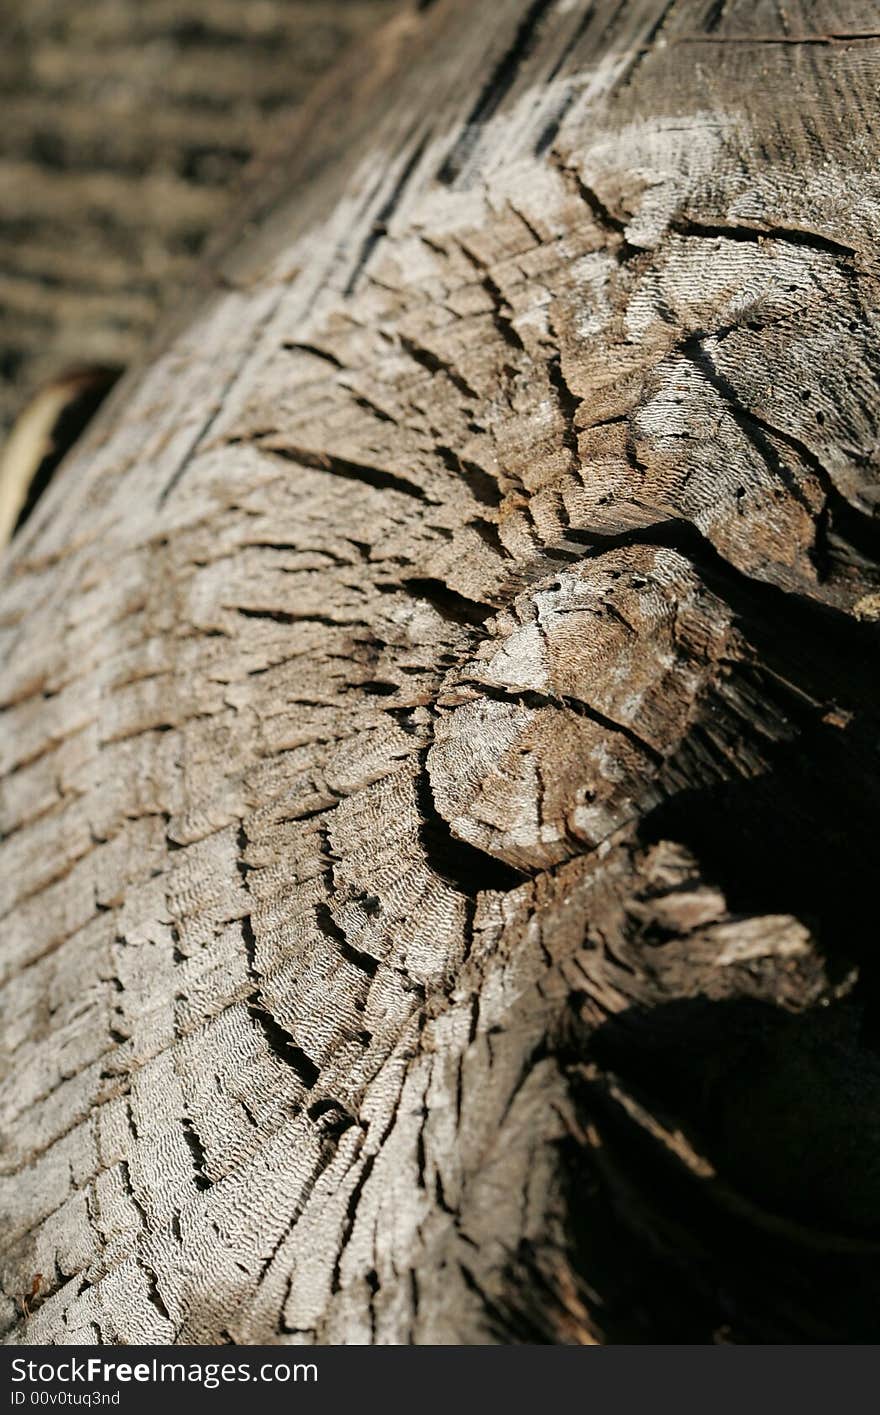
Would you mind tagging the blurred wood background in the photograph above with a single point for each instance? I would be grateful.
(126, 126)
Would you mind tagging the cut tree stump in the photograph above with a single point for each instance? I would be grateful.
(440, 758)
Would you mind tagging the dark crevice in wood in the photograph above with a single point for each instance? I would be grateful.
(756, 434)
(329, 927)
(863, 531)
(536, 700)
(846, 535)
(490, 535)
(282, 1046)
(384, 215)
(590, 198)
(404, 718)
(738, 231)
(550, 132)
(216, 410)
(328, 1150)
(332, 1116)
(742, 1245)
(350, 1216)
(440, 1195)
(620, 248)
(197, 1150)
(358, 959)
(379, 688)
(448, 602)
(125, 1175)
(646, 48)
(284, 616)
(153, 1293)
(327, 924)
(375, 477)
(494, 1312)
(714, 15)
(466, 868)
(821, 39)
(676, 533)
(501, 311)
(434, 364)
(492, 95)
(294, 347)
(421, 1157)
(354, 1199)
(278, 1040)
(582, 26)
(481, 483)
(368, 406)
(569, 404)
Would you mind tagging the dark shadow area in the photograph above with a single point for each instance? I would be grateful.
(771, 1235)
(797, 839)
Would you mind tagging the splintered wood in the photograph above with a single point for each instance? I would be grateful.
(437, 761)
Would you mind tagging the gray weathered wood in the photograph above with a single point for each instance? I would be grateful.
(439, 773)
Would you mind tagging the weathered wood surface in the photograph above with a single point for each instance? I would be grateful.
(440, 781)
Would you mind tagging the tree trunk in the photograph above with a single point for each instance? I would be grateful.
(440, 780)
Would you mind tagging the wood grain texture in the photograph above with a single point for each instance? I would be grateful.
(439, 764)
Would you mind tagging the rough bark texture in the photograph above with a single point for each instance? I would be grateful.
(440, 755)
